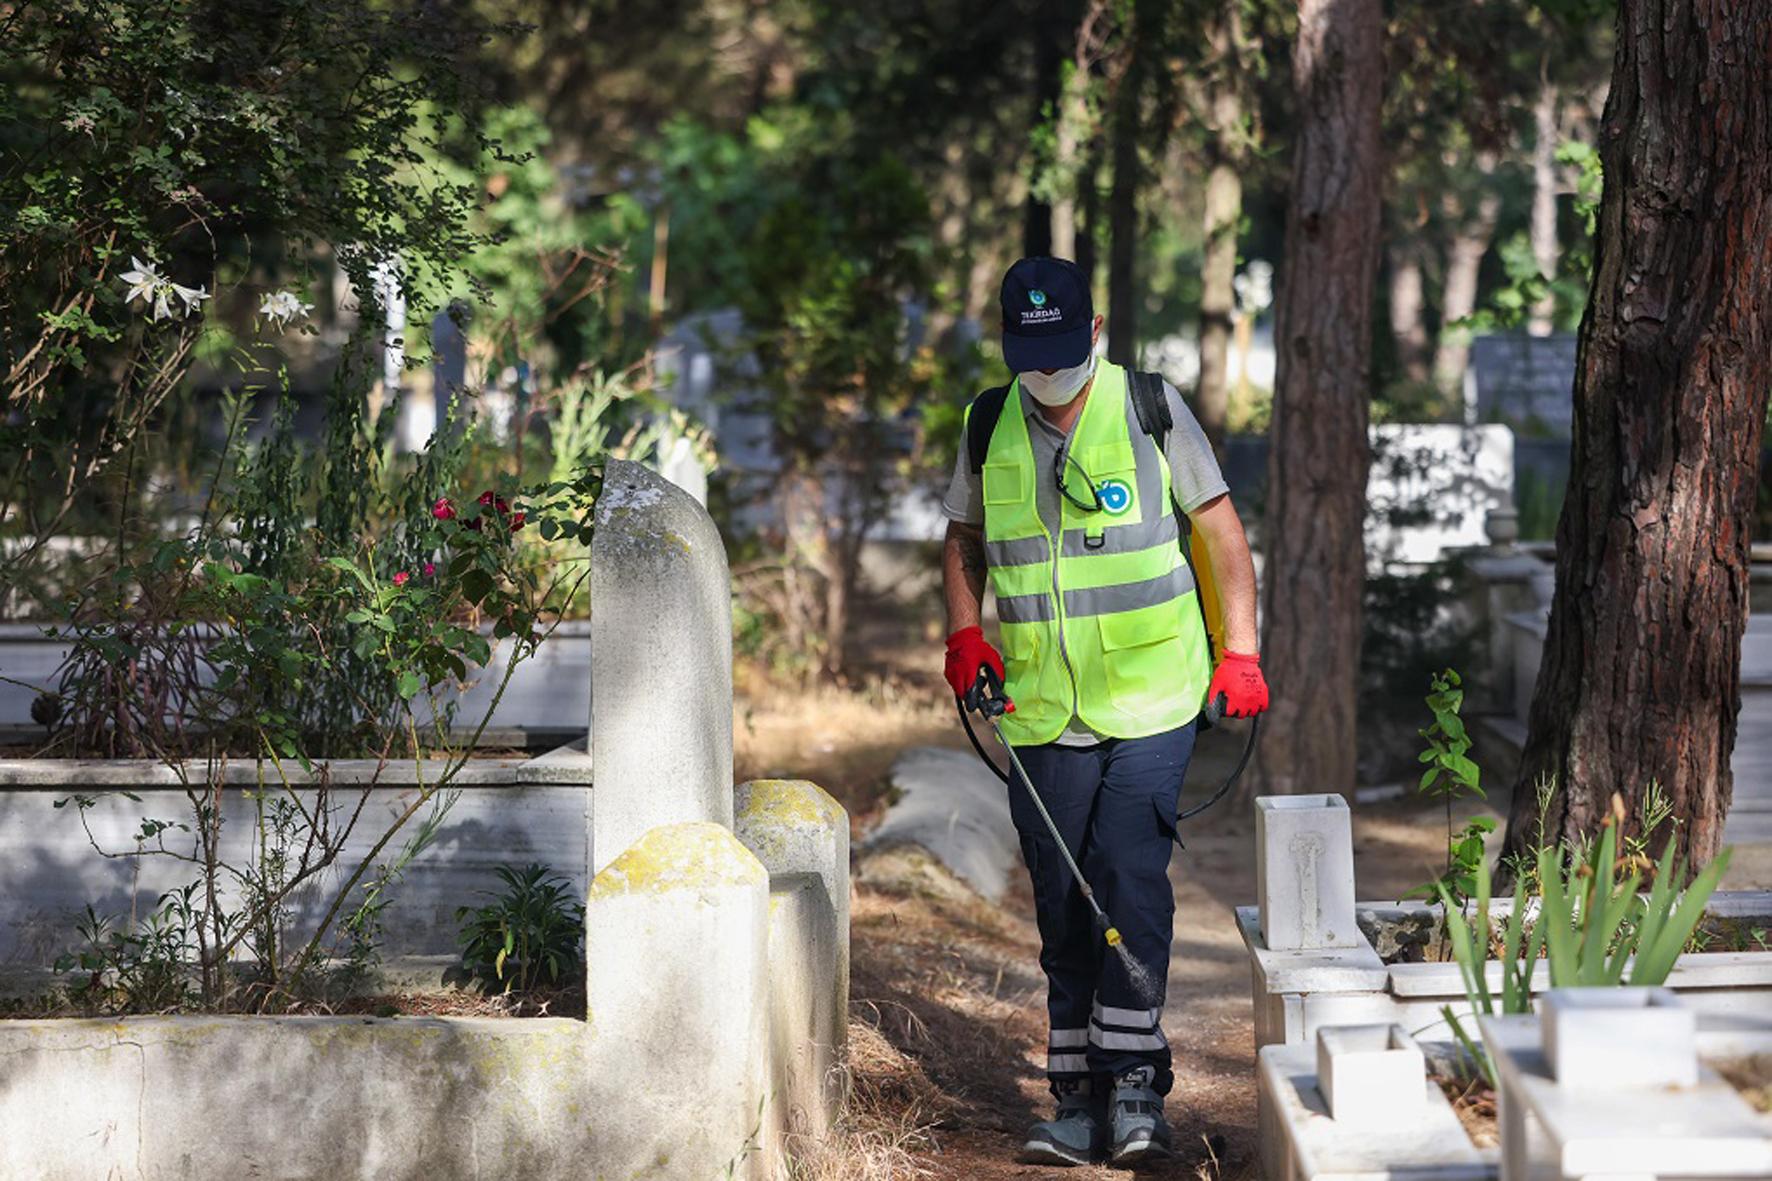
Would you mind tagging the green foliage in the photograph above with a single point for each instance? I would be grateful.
(1450, 774)
(1598, 925)
(153, 155)
(1450, 771)
(528, 936)
(144, 968)
(1593, 926)
(1471, 939)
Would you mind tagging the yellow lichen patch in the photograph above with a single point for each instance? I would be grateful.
(692, 855)
(788, 802)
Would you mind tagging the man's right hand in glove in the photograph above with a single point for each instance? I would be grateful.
(967, 650)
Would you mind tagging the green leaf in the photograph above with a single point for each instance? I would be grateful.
(409, 684)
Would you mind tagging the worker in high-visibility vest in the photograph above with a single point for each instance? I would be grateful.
(1069, 495)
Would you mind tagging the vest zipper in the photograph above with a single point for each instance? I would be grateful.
(1057, 545)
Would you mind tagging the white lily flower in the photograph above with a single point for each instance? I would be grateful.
(142, 280)
(162, 307)
(280, 307)
(193, 296)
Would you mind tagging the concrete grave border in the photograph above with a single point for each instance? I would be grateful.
(717, 979)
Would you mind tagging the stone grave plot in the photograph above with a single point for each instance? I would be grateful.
(716, 941)
(1315, 953)
(1353, 1049)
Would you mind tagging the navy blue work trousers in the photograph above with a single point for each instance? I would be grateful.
(1114, 802)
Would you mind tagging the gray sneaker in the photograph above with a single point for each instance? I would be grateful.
(1136, 1112)
(1072, 1137)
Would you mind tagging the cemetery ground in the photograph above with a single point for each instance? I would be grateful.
(947, 1008)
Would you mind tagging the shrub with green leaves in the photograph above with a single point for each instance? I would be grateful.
(1594, 926)
(528, 936)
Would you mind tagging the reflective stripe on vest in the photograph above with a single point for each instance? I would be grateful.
(1107, 629)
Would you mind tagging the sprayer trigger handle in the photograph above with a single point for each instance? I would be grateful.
(986, 695)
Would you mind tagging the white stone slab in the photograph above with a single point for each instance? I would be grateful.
(1601, 1038)
(1304, 854)
(1706, 1130)
(1300, 1140)
(1370, 1075)
(1314, 970)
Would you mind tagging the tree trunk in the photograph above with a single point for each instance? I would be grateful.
(1228, 156)
(1640, 679)
(1544, 204)
(1471, 235)
(1036, 230)
(1317, 461)
(1122, 318)
(1089, 208)
(1408, 303)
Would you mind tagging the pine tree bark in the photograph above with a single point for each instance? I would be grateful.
(1640, 680)
(1318, 458)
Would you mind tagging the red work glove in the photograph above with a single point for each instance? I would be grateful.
(967, 650)
(1238, 679)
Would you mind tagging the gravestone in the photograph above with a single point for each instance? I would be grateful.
(1527, 382)
(661, 662)
(1432, 487)
(1304, 870)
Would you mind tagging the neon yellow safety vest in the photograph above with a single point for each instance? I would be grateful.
(1109, 631)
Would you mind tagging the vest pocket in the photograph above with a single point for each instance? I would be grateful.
(1005, 482)
(1140, 653)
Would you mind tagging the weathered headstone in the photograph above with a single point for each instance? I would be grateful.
(1525, 381)
(661, 662)
(677, 993)
(1304, 869)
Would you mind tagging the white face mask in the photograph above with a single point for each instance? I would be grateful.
(1059, 386)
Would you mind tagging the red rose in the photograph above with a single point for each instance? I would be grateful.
(443, 510)
(516, 521)
(402, 578)
(430, 569)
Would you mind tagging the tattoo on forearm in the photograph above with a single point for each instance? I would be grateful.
(971, 547)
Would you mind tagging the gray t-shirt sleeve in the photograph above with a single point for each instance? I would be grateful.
(965, 499)
(1193, 469)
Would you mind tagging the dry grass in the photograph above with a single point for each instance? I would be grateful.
(885, 1124)
(842, 738)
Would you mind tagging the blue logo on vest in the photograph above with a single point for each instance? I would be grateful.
(1037, 298)
(1116, 497)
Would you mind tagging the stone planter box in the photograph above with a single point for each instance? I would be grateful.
(1297, 992)
(510, 812)
(549, 694)
(1550, 1130)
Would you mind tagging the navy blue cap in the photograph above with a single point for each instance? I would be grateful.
(1047, 315)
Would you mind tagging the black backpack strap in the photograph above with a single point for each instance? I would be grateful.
(981, 420)
(1150, 405)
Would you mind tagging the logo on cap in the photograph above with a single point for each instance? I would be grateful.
(1037, 298)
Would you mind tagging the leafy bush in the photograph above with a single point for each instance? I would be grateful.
(1593, 925)
(165, 160)
(528, 936)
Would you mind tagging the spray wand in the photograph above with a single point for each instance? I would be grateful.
(986, 697)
